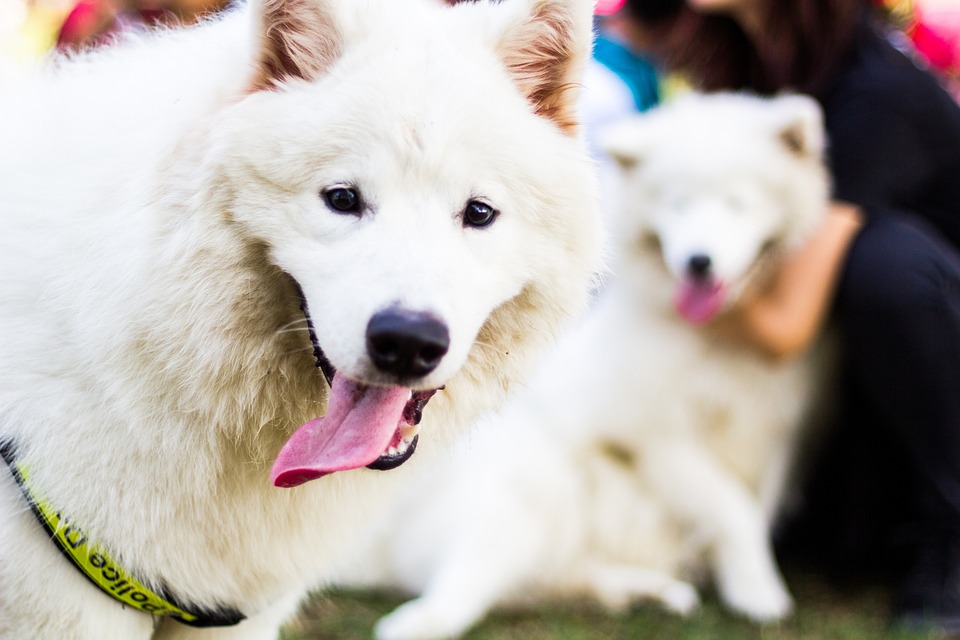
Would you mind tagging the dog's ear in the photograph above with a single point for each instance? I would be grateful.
(626, 141)
(798, 122)
(545, 50)
(297, 39)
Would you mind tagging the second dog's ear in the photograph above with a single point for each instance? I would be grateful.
(297, 39)
(628, 158)
(545, 51)
(799, 123)
(626, 141)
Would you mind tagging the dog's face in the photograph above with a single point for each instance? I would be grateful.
(713, 187)
(411, 183)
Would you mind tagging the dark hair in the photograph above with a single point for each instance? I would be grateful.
(805, 41)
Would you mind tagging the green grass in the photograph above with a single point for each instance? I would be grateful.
(823, 613)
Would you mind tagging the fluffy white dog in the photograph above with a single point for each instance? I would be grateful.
(648, 449)
(192, 220)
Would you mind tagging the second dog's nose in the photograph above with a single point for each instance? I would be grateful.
(699, 265)
(407, 344)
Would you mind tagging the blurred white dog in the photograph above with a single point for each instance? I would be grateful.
(648, 450)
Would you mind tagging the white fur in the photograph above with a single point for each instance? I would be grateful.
(646, 450)
(154, 355)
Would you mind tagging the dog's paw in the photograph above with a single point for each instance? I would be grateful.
(748, 578)
(617, 587)
(680, 598)
(761, 600)
(419, 620)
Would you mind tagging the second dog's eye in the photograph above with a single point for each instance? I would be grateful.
(478, 214)
(343, 199)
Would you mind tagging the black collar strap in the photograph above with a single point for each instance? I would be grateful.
(102, 569)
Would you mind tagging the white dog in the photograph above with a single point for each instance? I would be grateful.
(647, 449)
(394, 191)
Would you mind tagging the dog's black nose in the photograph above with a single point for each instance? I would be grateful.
(699, 265)
(407, 344)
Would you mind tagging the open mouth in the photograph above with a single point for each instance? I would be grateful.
(699, 299)
(365, 426)
(701, 295)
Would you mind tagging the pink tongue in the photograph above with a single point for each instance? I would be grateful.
(359, 425)
(699, 301)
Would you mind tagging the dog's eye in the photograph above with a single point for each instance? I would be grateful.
(343, 199)
(478, 214)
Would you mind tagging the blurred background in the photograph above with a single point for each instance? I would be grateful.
(31, 28)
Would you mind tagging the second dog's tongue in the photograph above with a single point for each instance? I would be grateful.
(698, 301)
(359, 424)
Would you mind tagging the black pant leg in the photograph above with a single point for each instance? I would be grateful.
(898, 305)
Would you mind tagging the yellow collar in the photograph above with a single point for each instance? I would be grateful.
(100, 567)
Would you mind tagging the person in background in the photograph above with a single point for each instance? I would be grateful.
(884, 268)
(617, 82)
